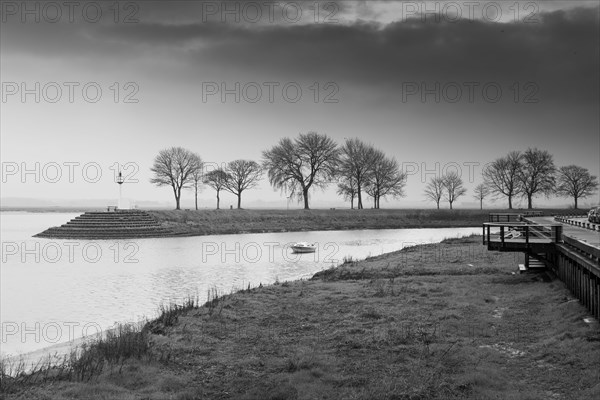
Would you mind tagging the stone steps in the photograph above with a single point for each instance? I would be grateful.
(107, 224)
(120, 224)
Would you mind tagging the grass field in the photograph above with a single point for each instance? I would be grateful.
(446, 321)
(207, 222)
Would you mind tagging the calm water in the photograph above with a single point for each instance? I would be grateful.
(53, 291)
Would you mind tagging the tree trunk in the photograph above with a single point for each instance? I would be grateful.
(510, 202)
(177, 198)
(575, 198)
(450, 204)
(352, 203)
(359, 204)
(239, 200)
(196, 196)
(481, 204)
(438, 204)
(529, 202)
(218, 200)
(305, 195)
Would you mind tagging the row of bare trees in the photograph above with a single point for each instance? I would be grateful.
(533, 173)
(295, 166)
(313, 160)
(519, 174)
(363, 167)
(180, 168)
(449, 186)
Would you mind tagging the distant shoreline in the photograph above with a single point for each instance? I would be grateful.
(226, 222)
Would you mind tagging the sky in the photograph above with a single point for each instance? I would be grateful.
(89, 89)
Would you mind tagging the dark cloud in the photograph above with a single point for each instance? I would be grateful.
(560, 53)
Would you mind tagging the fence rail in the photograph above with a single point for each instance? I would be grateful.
(582, 224)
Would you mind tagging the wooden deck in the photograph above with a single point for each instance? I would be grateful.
(571, 252)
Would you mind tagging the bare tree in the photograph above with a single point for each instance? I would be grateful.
(576, 182)
(216, 179)
(384, 179)
(435, 190)
(481, 192)
(196, 183)
(453, 185)
(356, 161)
(242, 175)
(347, 189)
(501, 176)
(295, 166)
(175, 167)
(536, 174)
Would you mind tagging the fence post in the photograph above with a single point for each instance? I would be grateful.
(558, 233)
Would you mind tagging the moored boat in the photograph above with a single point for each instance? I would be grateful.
(304, 247)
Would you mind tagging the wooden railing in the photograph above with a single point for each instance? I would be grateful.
(588, 251)
(504, 217)
(520, 232)
(513, 217)
(532, 213)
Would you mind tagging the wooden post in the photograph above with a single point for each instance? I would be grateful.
(598, 297)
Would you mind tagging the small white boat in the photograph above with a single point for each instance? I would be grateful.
(304, 247)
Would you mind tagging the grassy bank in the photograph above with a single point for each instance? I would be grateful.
(207, 222)
(448, 321)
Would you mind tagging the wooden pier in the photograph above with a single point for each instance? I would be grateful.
(570, 252)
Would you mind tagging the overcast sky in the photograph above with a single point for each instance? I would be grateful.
(461, 85)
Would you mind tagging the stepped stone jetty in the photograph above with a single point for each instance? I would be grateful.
(119, 224)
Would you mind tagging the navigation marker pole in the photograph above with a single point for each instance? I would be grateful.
(120, 182)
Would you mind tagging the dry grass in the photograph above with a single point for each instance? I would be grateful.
(207, 222)
(446, 321)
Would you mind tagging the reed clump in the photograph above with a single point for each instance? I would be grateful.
(106, 352)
